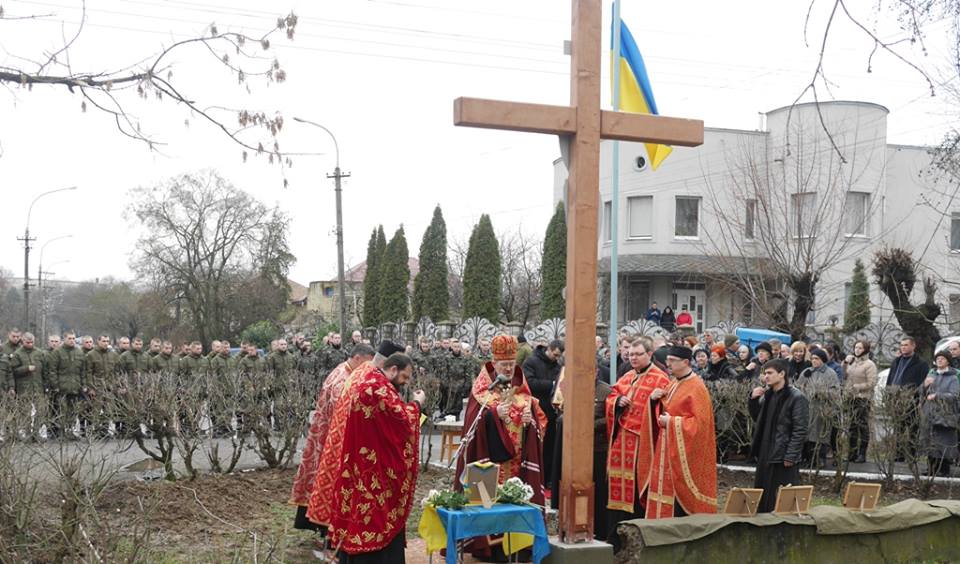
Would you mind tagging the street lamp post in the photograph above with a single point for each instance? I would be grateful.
(44, 290)
(40, 276)
(26, 256)
(337, 175)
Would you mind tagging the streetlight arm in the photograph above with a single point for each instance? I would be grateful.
(336, 147)
(44, 246)
(30, 209)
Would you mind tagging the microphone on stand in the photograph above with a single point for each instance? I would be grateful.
(501, 380)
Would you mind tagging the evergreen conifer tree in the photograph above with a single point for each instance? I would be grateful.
(857, 315)
(481, 273)
(431, 294)
(394, 279)
(371, 278)
(554, 266)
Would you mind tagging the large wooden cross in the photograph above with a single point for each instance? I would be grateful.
(585, 123)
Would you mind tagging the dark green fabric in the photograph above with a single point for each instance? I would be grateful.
(66, 370)
(828, 519)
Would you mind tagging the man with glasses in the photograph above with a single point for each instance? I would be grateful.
(631, 435)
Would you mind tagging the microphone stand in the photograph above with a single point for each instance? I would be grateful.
(469, 436)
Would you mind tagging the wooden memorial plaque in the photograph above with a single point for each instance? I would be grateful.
(793, 500)
(861, 496)
(743, 502)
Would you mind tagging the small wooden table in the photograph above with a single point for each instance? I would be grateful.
(450, 432)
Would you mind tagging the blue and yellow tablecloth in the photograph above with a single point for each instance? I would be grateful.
(522, 525)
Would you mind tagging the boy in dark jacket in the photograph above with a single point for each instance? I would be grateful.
(782, 414)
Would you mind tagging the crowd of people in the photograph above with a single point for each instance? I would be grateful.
(659, 429)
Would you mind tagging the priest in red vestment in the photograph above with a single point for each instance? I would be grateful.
(328, 468)
(684, 476)
(374, 491)
(503, 423)
(306, 478)
(631, 434)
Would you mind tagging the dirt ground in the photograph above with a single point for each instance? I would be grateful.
(219, 518)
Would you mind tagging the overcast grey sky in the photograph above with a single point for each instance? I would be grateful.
(382, 76)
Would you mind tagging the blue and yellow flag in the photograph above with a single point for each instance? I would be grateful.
(636, 95)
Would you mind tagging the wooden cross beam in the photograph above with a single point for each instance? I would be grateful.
(585, 123)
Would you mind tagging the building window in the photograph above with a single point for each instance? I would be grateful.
(749, 222)
(607, 220)
(804, 213)
(955, 232)
(687, 224)
(640, 217)
(328, 291)
(855, 213)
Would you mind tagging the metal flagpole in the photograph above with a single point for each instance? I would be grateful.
(615, 204)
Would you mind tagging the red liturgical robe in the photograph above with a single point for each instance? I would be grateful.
(631, 436)
(306, 477)
(318, 509)
(374, 491)
(518, 448)
(685, 460)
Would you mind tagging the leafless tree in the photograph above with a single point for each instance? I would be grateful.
(113, 88)
(782, 220)
(520, 256)
(202, 238)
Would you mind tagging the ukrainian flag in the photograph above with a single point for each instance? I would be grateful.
(636, 95)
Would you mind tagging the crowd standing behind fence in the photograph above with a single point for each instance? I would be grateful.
(844, 402)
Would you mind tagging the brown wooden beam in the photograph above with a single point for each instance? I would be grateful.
(651, 129)
(515, 116)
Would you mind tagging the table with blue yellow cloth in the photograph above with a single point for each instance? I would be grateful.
(522, 525)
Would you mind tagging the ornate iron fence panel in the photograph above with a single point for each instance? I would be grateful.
(884, 339)
(547, 331)
(644, 327)
(474, 329)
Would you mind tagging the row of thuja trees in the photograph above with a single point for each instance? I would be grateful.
(508, 277)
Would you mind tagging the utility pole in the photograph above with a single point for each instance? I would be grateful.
(26, 275)
(26, 255)
(337, 175)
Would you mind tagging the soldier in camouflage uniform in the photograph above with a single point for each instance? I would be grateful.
(100, 366)
(26, 365)
(156, 345)
(333, 354)
(484, 355)
(457, 379)
(12, 344)
(66, 381)
(281, 362)
(53, 343)
(134, 361)
(165, 361)
(123, 345)
(250, 362)
(6, 351)
(195, 365)
(309, 364)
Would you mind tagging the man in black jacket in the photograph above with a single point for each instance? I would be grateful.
(782, 413)
(542, 369)
(907, 372)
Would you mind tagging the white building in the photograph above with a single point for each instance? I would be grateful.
(687, 229)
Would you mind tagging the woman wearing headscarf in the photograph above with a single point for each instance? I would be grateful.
(821, 385)
(938, 415)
